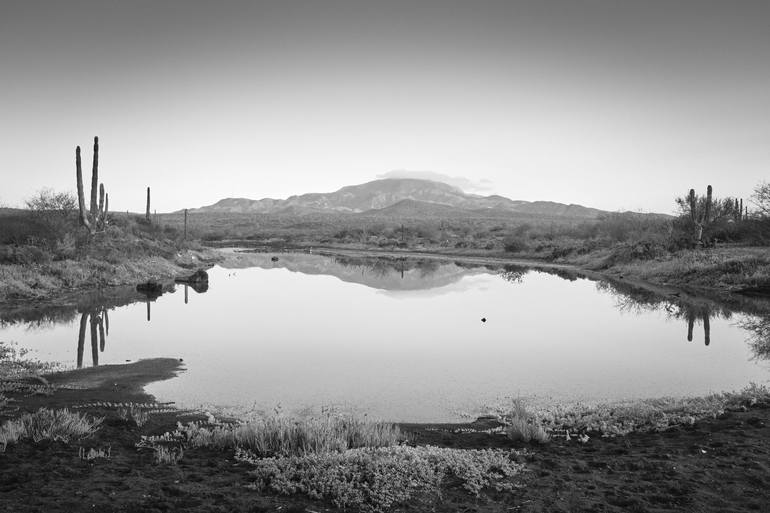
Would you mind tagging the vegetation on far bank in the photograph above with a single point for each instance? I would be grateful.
(43, 253)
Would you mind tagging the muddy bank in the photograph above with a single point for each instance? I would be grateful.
(105, 383)
(716, 465)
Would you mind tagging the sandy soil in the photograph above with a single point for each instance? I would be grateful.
(717, 465)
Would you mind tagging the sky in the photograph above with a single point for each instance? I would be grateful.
(613, 104)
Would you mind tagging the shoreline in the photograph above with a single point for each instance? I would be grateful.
(52, 289)
(715, 464)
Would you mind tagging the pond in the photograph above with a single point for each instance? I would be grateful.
(402, 339)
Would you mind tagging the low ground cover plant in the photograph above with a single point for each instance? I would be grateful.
(577, 420)
(375, 479)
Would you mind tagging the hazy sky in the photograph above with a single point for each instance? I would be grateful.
(612, 104)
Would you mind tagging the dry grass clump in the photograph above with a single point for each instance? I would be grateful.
(375, 479)
(45, 424)
(520, 424)
(168, 455)
(135, 414)
(93, 454)
(282, 436)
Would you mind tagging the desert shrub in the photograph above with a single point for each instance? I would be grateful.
(647, 249)
(377, 479)
(45, 424)
(515, 244)
(24, 255)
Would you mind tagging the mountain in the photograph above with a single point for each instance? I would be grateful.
(400, 197)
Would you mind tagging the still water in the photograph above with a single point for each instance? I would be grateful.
(403, 340)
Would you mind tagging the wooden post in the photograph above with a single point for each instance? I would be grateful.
(185, 234)
(185, 293)
(148, 310)
(147, 212)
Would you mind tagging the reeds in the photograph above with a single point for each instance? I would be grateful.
(135, 414)
(283, 436)
(524, 426)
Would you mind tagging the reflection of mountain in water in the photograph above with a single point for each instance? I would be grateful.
(393, 274)
(406, 275)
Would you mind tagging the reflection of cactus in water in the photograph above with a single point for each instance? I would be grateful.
(99, 322)
(94, 343)
(82, 338)
(704, 315)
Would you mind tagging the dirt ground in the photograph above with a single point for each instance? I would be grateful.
(715, 466)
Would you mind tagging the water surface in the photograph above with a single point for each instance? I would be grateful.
(403, 339)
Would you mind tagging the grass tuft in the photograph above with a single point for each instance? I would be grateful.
(45, 424)
(282, 436)
(135, 414)
(524, 426)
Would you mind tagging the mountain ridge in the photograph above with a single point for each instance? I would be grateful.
(387, 195)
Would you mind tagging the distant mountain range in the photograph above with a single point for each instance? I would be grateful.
(401, 197)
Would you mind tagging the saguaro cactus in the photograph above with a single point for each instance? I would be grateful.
(707, 208)
(81, 197)
(95, 178)
(700, 215)
(97, 216)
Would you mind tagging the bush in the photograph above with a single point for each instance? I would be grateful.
(514, 244)
(377, 479)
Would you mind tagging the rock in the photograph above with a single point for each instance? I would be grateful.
(274, 259)
(150, 287)
(199, 276)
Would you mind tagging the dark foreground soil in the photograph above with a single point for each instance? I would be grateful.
(717, 465)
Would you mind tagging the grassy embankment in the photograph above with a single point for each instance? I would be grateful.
(38, 263)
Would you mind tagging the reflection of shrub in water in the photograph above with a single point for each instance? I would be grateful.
(513, 273)
(759, 340)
